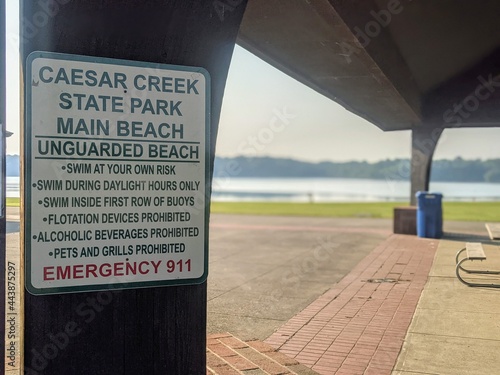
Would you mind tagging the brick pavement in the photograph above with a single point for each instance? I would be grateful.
(359, 325)
(227, 355)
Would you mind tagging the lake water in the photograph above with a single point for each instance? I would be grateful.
(328, 190)
(339, 189)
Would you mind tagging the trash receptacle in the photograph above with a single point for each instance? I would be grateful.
(429, 215)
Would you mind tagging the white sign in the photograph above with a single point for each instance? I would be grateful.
(116, 156)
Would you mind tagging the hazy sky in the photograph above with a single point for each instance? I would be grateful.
(321, 128)
(12, 43)
(267, 113)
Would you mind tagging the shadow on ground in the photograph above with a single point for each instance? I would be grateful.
(468, 237)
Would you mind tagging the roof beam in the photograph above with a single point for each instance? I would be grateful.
(321, 50)
(471, 99)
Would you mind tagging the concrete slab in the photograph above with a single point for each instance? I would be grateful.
(12, 214)
(449, 293)
(266, 255)
(12, 226)
(464, 227)
(443, 270)
(449, 249)
(257, 305)
(477, 325)
(444, 262)
(235, 221)
(455, 329)
(214, 293)
(277, 284)
(493, 230)
(265, 269)
(230, 275)
(443, 355)
(357, 327)
(468, 237)
(243, 327)
(411, 373)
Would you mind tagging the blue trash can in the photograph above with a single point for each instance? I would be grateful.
(429, 215)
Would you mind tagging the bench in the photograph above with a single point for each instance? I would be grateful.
(493, 230)
(474, 251)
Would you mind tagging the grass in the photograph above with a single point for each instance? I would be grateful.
(12, 202)
(461, 211)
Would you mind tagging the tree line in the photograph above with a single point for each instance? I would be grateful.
(456, 170)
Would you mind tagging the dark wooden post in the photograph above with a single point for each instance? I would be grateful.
(138, 331)
(424, 140)
(3, 213)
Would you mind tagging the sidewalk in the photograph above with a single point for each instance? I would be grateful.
(455, 329)
(400, 311)
(359, 325)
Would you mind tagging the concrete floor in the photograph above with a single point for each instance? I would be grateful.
(455, 328)
(264, 270)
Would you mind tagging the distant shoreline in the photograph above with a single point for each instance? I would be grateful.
(456, 170)
(327, 190)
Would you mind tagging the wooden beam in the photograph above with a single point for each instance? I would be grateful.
(423, 144)
(3, 213)
(138, 331)
(471, 99)
(321, 50)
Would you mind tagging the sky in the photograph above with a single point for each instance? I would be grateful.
(267, 113)
(321, 129)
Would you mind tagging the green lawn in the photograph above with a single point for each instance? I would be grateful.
(464, 211)
(12, 202)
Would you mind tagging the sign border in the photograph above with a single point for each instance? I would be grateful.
(26, 191)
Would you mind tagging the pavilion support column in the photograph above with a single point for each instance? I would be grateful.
(423, 143)
(153, 330)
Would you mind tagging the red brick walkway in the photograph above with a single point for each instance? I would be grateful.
(359, 325)
(227, 355)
